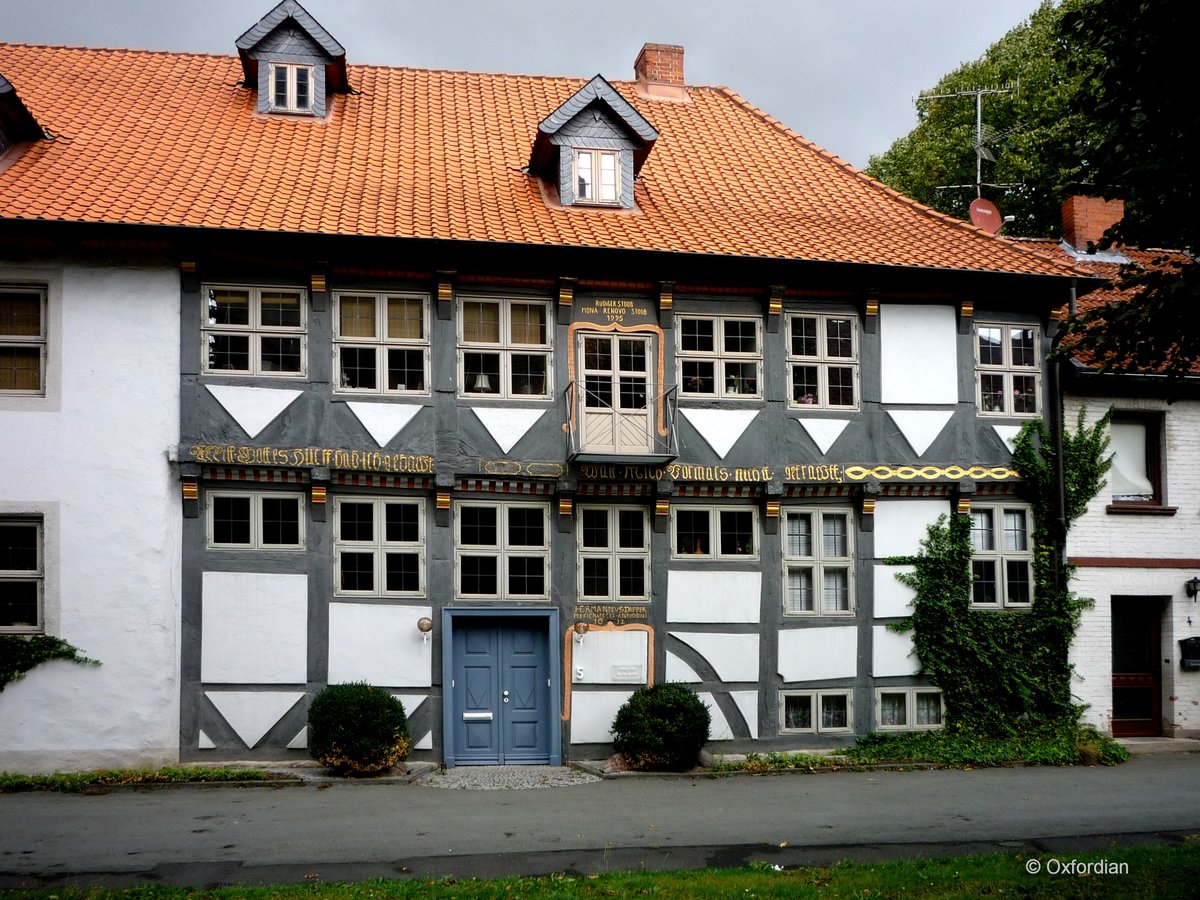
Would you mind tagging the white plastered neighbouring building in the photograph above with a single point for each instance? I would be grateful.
(86, 460)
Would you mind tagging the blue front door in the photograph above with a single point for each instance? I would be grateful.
(500, 692)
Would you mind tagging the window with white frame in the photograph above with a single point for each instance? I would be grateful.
(502, 550)
(254, 331)
(818, 555)
(598, 176)
(1007, 369)
(379, 546)
(504, 348)
(254, 520)
(714, 532)
(908, 709)
(1136, 475)
(614, 553)
(381, 343)
(22, 574)
(822, 361)
(719, 356)
(22, 339)
(1001, 555)
(820, 712)
(291, 88)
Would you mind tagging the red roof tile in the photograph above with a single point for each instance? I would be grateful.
(172, 139)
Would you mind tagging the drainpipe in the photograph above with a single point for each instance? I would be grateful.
(1056, 436)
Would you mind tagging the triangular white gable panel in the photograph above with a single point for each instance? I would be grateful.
(719, 730)
(383, 420)
(720, 427)
(252, 713)
(425, 743)
(678, 670)
(410, 702)
(252, 408)
(206, 743)
(747, 704)
(507, 426)
(920, 427)
(1008, 434)
(824, 431)
(300, 741)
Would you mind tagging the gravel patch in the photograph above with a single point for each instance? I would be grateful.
(505, 778)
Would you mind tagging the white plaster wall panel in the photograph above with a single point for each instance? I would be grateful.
(718, 728)
(901, 523)
(507, 426)
(592, 714)
(733, 656)
(425, 742)
(1008, 435)
(721, 428)
(678, 670)
(918, 353)
(253, 713)
(383, 421)
(920, 427)
(713, 596)
(253, 408)
(379, 645)
(300, 741)
(112, 526)
(205, 742)
(814, 654)
(892, 598)
(411, 702)
(254, 628)
(892, 653)
(610, 657)
(747, 704)
(824, 432)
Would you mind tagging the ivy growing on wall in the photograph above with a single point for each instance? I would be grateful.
(1001, 672)
(19, 654)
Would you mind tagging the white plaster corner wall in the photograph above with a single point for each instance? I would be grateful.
(113, 525)
(1091, 649)
(893, 653)
(716, 597)
(254, 628)
(733, 656)
(678, 670)
(901, 523)
(379, 645)
(918, 353)
(892, 597)
(592, 714)
(718, 728)
(610, 657)
(812, 654)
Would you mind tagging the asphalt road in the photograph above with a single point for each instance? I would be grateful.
(351, 831)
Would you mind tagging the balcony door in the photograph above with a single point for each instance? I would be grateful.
(616, 412)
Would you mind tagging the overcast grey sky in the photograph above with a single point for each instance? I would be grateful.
(843, 73)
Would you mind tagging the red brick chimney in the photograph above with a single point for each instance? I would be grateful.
(659, 71)
(1086, 219)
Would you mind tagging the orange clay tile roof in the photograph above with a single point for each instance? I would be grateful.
(170, 139)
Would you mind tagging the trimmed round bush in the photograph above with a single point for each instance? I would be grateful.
(357, 729)
(662, 728)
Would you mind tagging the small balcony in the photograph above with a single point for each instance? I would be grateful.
(625, 419)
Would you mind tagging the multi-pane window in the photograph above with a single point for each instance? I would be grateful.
(291, 88)
(504, 348)
(502, 550)
(714, 532)
(1001, 556)
(817, 560)
(1007, 367)
(614, 553)
(22, 573)
(251, 520)
(1136, 441)
(815, 711)
(908, 709)
(379, 545)
(22, 339)
(822, 361)
(720, 356)
(597, 176)
(254, 331)
(381, 343)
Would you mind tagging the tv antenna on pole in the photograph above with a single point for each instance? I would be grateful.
(982, 136)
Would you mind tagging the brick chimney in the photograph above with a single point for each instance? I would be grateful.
(1086, 219)
(659, 71)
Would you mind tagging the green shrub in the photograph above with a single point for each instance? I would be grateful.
(661, 728)
(357, 729)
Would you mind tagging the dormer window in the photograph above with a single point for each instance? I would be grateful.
(597, 176)
(291, 88)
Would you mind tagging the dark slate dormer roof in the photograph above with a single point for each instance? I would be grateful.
(17, 123)
(335, 62)
(596, 91)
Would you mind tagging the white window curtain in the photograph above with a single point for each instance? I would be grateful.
(1129, 478)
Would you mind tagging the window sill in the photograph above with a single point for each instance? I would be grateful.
(1139, 509)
